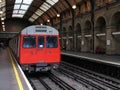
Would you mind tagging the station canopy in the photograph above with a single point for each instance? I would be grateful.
(35, 10)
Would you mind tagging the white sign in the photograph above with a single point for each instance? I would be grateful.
(108, 42)
(82, 42)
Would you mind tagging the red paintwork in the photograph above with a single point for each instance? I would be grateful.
(37, 55)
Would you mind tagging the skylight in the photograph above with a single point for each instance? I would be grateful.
(20, 7)
(43, 8)
(2, 13)
(39, 12)
(2, 9)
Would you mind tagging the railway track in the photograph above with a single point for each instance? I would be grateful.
(53, 81)
(44, 83)
(71, 77)
(88, 78)
(40, 82)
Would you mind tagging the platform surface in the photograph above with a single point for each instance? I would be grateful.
(8, 80)
(110, 59)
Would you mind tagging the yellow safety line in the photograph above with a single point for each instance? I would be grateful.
(16, 72)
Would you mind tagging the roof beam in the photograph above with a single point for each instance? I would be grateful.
(69, 5)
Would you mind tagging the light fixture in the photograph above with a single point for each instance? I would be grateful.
(2, 22)
(74, 6)
(41, 24)
(58, 15)
(2, 18)
(1, 12)
(48, 20)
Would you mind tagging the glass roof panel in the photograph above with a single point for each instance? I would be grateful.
(35, 16)
(47, 5)
(27, 1)
(15, 11)
(44, 7)
(39, 12)
(18, 1)
(21, 11)
(21, 6)
(50, 2)
(24, 7)
(17, 6)
(31, 19)
(3, 9)
(17, 15)
(55, 1)
(2, 4)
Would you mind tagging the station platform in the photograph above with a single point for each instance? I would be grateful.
(11, 75)
(108, 59)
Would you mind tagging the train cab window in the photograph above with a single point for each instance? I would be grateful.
(51, 42)
(40, 41)
(29, 42)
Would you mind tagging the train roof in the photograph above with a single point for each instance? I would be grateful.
(40, 29)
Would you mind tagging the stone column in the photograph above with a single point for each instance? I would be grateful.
(109, 42)
(82, 40)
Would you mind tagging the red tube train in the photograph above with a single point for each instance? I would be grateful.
(37, 48)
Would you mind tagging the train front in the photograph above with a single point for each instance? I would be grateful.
(39, 48)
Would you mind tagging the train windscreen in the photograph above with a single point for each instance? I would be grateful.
(51, 42)
(29, 42)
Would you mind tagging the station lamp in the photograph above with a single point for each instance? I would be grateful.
(58, 15)
(48, 20)
(2, 22)
(2, 18)
(1, 12)
(74, 6)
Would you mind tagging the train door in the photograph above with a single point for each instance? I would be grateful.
(52, 49)
(40, 51)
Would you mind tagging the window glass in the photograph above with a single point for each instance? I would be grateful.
(40, 41)
(29, 42)
(21, 6)
(51, 42)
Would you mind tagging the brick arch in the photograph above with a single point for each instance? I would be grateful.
(70, 28)
(64, 32)
(78, 37)
(100, 24)
(87, 27)
(115, 30)
(64, 29)
(100, 39)
(115, 21)
(99, 20)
